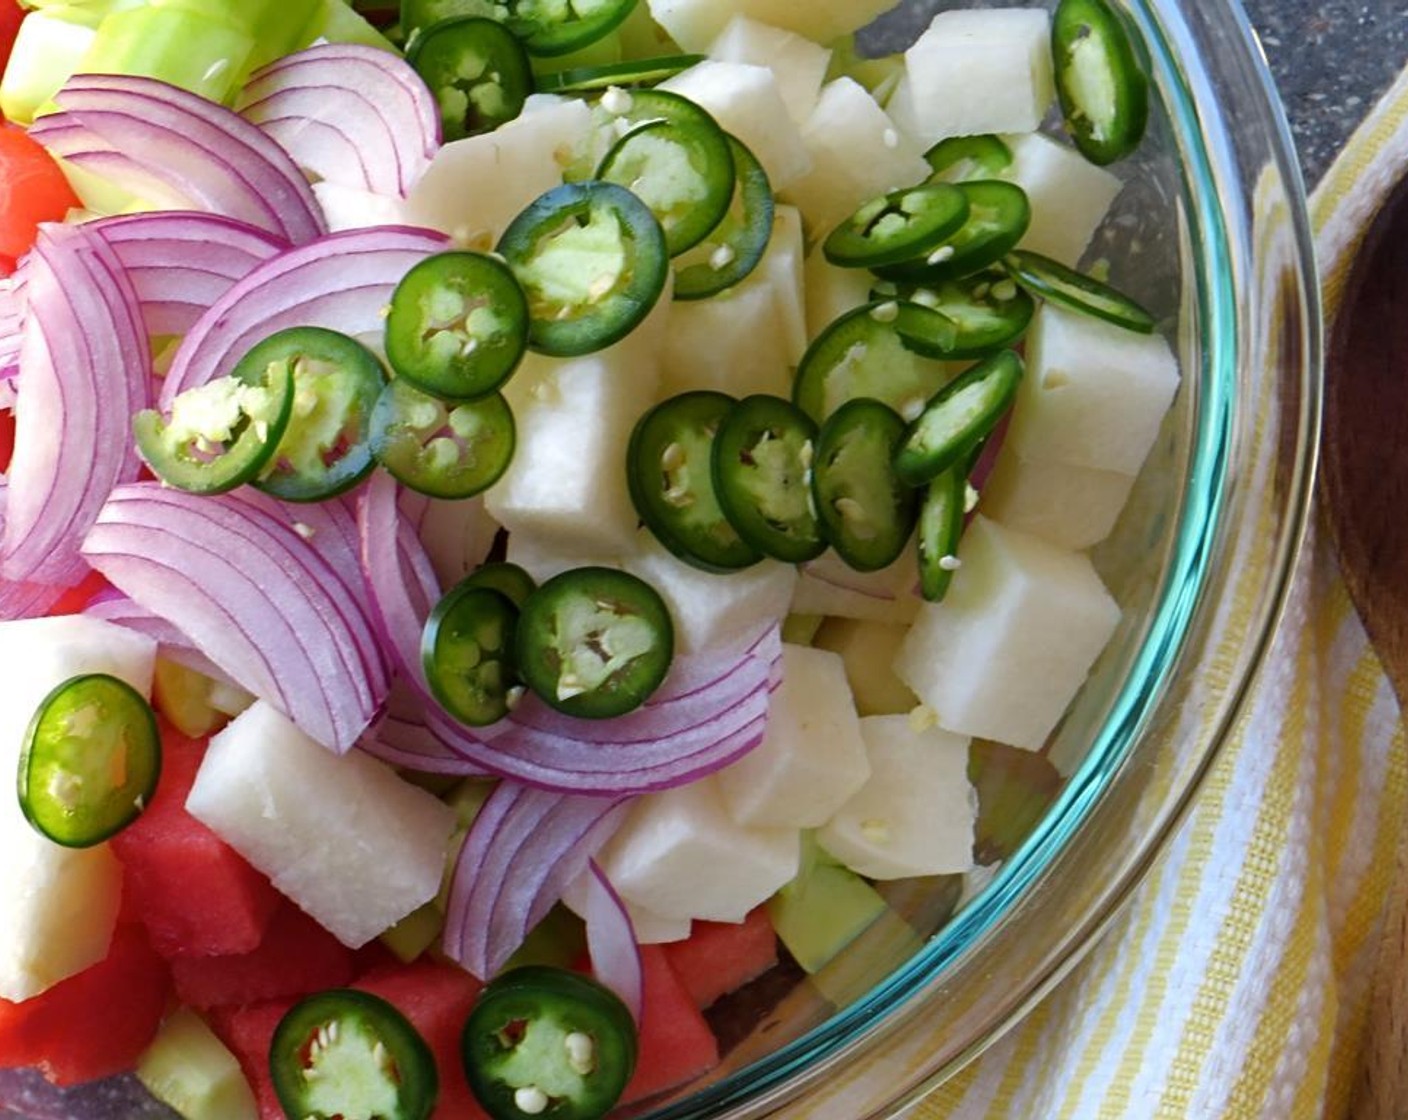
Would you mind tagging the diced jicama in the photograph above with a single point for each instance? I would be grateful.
(476, 186)
(566, 485)
(1072, 507)
(649, 928)
(798, 63)
(1069, 195)
(543, 558)
(812, 759)
(868, 651)
(747, 102)
(58, 905)
(1002, 656)
(781, 266)
(711, 611)
(695, 23)
(979, 71)
(856, 153)
(828, 586)
(1094, 394)
(831, 290)
(318, 824)
(681, 855)
(733, 342)
(346, 207)
(915, 816)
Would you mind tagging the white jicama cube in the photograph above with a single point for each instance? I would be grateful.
(811, 759)
(916, 814)
(828, 586)
(733, 342)
(344, 836)
(980, 71)
(544, 558)
(832, 290)
(475, 187)
(679, 854)
(1094, 394)
(798, 63)
(1002, 656)
(1072, 507)
(868, 651)
(781, 266)
(712, 611)
(694, 24)
(856, 153)
(347, 207)
(566, 485)
(58, 905)
(1069, 195)
(747, 102)
(649, 928)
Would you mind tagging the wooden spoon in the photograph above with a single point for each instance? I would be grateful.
(1364, 480)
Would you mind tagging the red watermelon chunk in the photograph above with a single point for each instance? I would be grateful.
(196, 895)
(248, 1031)
(97, 1022)
(296, 956)
(436, 998)
(676, 1043)
(718, 957)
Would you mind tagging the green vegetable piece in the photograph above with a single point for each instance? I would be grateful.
(960, 158)
(505, 578)
(595, 642)
(898, 227)
(762, 465)
(958, 418)
(188, 1068)
(90, 760)
(1100, 82)
(325, 449)
(546, 27)
(941, 515)
(467, 653)
(734, 247)
(442, 449)
(998, 216)
(635, 72)
(219, 435)
(866, 513)
(1051, 280)
(476, 70)
(593, 262)
(349, 1053)
(824, 909)
(683, 172)
(669, 469)
(548, 1041)
(982, 312)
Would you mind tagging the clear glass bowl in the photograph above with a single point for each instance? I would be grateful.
(1212, 232)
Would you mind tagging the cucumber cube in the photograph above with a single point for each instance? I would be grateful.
(823, 909)
(191, 1070)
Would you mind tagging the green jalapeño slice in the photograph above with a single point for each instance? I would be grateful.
(960, 416)
(897, 227)
(347, 1053)
(439, 448)
(90, 760)
(219, 435)
(998, 216)
(458, 325)
(545, 1041)
(477, 72)
(467, 653)
(734, 247)
(593, 261)
(1101, 85)
(595, 642)
(326, 447)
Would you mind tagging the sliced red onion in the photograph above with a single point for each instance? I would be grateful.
(342, 282)
(122, 611)
(85, 371)
(11, 325)
(254, 596)
(348, 114)
(181, 151)
(22, 600)
(180, 262)
(458, 535)
(401, 582)
(523, 850)
(611, 941)
(400, 736)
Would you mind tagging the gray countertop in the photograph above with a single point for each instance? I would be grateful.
(1332, 59)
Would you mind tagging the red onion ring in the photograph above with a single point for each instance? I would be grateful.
(86, 370)
(180, 262)
(342, 281)
(144, 133)
(22, 600)
(611, 941)
(348, 114)
(122, 611)
(251, 594)
(522, 851)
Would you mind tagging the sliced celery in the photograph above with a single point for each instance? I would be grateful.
(340, 24)
(46, 54)
(606, 51)
(175, 45)
(823, 909)
(415, 933)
